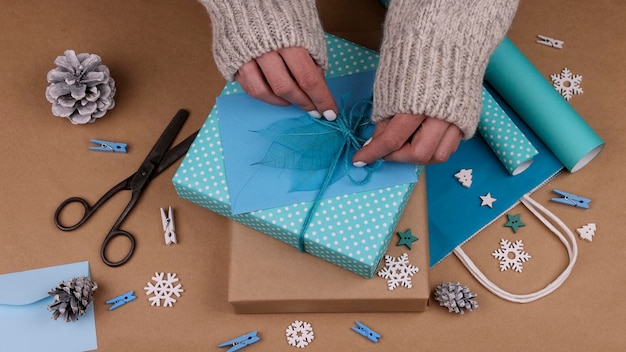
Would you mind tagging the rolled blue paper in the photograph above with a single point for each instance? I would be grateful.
(506, 140)
(541, 107)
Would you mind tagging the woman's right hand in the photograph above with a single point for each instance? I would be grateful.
(289, 76)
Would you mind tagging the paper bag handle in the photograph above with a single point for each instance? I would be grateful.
(572, 252)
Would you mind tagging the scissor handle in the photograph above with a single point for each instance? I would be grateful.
(111, 235)
(88, 211)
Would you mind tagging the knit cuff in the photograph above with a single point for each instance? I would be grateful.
(243, 30)
(433, 58)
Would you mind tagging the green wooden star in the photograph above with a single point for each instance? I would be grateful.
(514, 222)
(406, 238)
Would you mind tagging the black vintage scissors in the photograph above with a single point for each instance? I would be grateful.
(159, 159)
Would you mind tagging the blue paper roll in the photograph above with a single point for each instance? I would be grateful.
(504, 137)
(541, 107)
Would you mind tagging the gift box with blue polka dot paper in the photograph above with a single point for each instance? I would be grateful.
(352, 231)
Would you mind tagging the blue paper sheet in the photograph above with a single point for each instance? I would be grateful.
(25, 322)
(254, 187)
(454, 212)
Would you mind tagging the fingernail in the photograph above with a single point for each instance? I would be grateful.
(314, 113)
(359, 163)
(330, 115)
(367, 142)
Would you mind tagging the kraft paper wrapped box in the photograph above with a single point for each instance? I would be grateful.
(267, 276)
(352, 231)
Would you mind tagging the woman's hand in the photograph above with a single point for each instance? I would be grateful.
(416, 139)
(288, 76)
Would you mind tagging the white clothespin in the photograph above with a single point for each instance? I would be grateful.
(168, 226)
(555, 43)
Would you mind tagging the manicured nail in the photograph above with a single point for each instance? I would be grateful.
(359, 163)
(330, 115)
(367, 142)
(314, 113)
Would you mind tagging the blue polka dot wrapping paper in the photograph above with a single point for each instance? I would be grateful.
(511, 146)
(352, 231)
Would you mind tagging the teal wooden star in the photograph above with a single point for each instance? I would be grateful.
(406, 238)
(514, 222)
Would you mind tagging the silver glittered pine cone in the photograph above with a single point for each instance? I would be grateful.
(455, 297)
(81, 88)
(71, 298)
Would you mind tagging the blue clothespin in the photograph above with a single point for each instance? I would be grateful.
(106, 146)
(121, 300)
(571, 199)
(240, 342)
(367, 332)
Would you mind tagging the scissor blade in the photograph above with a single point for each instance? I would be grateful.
(176, 152)
(164, 142)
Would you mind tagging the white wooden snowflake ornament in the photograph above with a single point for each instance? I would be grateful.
(511, 255)
(299, 334)
(398, 271)
(464, 176)
(164, 289)
(567, 84)
(587, 232)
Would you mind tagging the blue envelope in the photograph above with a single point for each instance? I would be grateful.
(26, 323)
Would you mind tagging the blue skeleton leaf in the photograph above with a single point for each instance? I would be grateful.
(306, 147)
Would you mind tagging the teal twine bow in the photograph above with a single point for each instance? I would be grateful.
(349, 125)
(310, 145)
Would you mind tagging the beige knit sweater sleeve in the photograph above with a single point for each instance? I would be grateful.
(246, 29)
(432, 58)
(434, 55)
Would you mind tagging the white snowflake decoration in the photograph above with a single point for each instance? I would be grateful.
(299, 334)
(587, 231)
(511, 255)
(567, 84)
(398, 271)
(164, 289)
